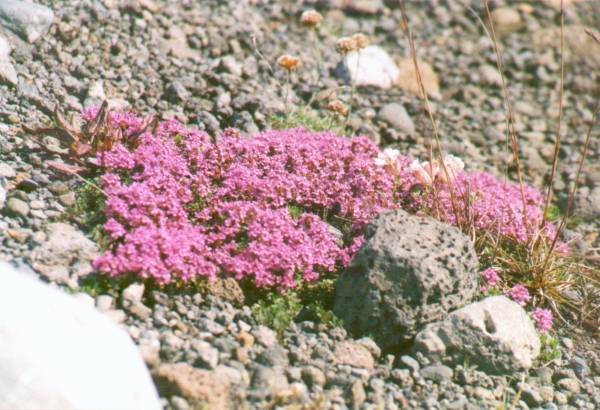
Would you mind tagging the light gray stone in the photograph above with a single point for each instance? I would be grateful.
(57, 352)
(371, 66)
(411, 271)
(269, 380)
(506, 20)
(18, 207)
(208, 356)
(265, 336)
(104, 302)
(65, 244)
(490, 75)
(3, 192)
(437, 373)
(496, 334)
(395, 114)
(27, 19)
(133, 293)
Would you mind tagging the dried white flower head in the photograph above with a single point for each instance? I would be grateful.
(311, 18)
(345, 45)
(360, 40)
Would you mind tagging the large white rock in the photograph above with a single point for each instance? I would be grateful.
(57, 352)
(495, 334)
(7, 70)
(29, 20)
(371, 66)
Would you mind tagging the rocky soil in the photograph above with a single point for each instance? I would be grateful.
(211, 65)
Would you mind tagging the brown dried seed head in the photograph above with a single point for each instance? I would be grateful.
(338, 107)
(360, 40)
(345, 45)
(288, 62)
(311, 18)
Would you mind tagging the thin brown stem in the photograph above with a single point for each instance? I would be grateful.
(560, 114)
(571, 199)
(427, 106)
(510, 119)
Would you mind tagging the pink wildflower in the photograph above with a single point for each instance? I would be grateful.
(543, 319)
(179, 206)
(491, 278)
(519, 294)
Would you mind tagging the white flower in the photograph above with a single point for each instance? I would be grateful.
(424, 173)
(454, 162)
(454, 166)
(389, 156)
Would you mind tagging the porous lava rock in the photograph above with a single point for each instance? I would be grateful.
(411, 271)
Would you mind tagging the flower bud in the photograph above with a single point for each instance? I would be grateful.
(288, 62)
(338, 107)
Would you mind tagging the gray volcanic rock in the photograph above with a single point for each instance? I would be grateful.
(411, 271)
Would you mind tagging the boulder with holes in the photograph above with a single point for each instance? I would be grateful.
(411, 271)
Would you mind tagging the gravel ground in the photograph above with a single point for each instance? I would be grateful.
(209, 66)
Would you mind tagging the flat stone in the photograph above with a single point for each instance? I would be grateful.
(570, 385)
(227, 289)
(133, 293)
(490, 75)
(104, 302)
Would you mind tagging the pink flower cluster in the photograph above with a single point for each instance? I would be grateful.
(543, 319)
(491, 279)
(519, 294)
(179, 206)
(486, 203)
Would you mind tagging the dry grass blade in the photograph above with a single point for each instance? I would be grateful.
(593, 35)
(510, 118)
(560, 115)
(427, 107)
(571, 199)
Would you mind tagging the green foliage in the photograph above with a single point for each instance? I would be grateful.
(295, 211)
(95, 284)
(553, 213)
(311, 301)
(305, 117)
(550, 348)
(88, 210)
(277, 311)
